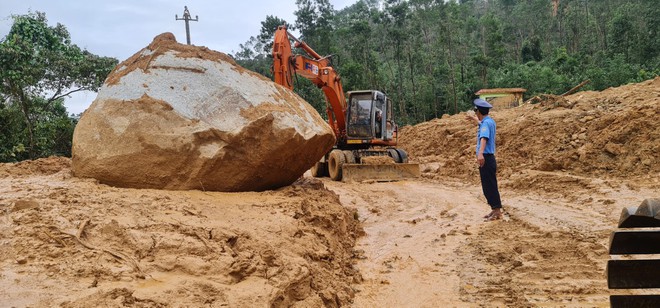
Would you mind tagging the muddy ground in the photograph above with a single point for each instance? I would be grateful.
(566, 168)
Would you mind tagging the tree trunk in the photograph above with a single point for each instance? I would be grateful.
(451, 70)
(399, 82)
(26, 114)
(414, 87)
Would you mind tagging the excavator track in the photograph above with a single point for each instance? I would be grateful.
(633, 271)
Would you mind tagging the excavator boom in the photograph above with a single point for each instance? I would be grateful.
(316, 69)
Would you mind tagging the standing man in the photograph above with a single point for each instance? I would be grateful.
(486, 157)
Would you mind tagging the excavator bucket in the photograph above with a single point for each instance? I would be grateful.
(379, 173)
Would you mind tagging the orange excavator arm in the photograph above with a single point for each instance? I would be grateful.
(317, 69)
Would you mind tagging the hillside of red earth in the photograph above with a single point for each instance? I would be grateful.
(610, 134)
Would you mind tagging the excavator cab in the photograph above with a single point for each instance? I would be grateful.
(368, 151)
(369, 115)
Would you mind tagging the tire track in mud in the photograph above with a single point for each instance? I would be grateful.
(518, 264)
(411, 230)
(425, 243)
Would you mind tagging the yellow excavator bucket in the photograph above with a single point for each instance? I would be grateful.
(379, 173)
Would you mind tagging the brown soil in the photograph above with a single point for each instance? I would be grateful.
(565, 170)
(608, 134)
(75, 243)
(377, 160)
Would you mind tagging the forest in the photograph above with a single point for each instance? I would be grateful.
(428, 56)
(39, 68)
(431, 56)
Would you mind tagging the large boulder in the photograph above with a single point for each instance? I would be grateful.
(176, 116)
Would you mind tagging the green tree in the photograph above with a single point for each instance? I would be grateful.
(39, 67)
(255, 54)
(395, 28)
(622, 34)
(359, 70)
(252, 56)
(314, 21)
(531, 50)
(648, 51)
(431, 56)
(268, 28)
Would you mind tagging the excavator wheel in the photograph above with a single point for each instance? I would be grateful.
(350, 158)
(395, 155)
(336, 160)
(319, 170)
(403, 155)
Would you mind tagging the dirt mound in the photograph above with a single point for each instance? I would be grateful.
(72, 242)
(44, 166)
(184, 117)
(613, 133)
(378, 160)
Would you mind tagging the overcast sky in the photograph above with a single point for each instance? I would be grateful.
(119, 28)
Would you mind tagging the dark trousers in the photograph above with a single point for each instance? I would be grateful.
(489, 181)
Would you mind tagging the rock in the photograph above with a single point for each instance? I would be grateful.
(178, 117)
(20, 205)
(586, 119)
(614, 149)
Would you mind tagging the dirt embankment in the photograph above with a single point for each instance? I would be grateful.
(75, 243)
(609, 134)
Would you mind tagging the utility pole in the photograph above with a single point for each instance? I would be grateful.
(186, 18)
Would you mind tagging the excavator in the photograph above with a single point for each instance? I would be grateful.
(362, 121)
